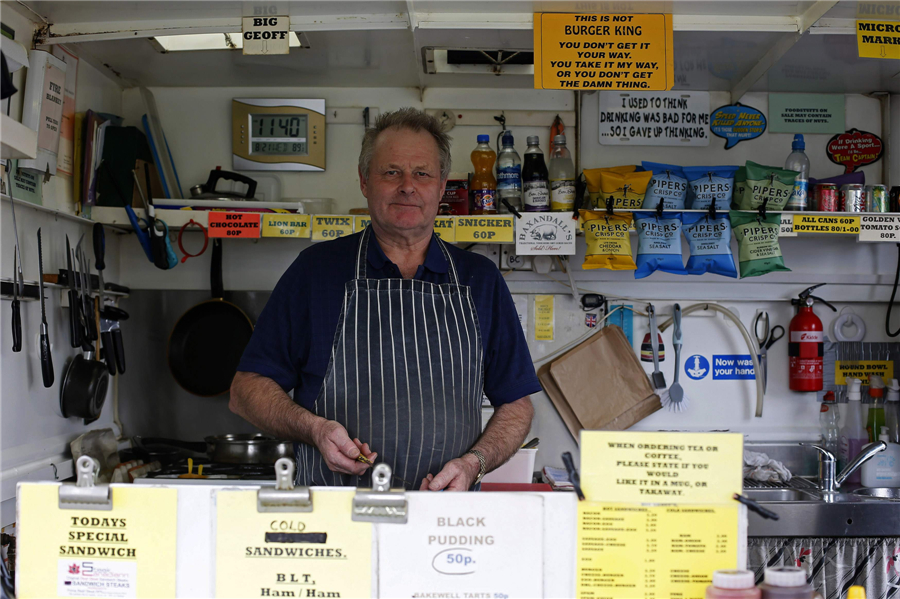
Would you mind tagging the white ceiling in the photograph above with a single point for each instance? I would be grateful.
(711, 50)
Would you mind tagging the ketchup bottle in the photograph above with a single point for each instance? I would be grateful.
(806, 343)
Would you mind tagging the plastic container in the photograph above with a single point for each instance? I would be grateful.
(856, 592)
(509, 174)
(798, 161)
(883, 470)
(535, 178)
(829, 423)
(484, 185)
(853, 433)
(562, 177)
(519, 468)
(875, 417)
(892, 411)
(786, 583)
(315, 205)
(732, 584)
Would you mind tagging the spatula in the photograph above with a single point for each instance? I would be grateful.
(677, 402)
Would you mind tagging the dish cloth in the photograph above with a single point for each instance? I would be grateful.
(759, 466)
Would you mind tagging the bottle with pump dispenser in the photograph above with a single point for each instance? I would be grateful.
(733, 584)
(883, 470)
(875, 418)
(786, 583)
(892, 411)
(853, 433)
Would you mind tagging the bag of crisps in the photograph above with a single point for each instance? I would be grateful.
(592, 176)
(758, 249)
(668, 184)
(659, 243)
(624, 190)
(776, 184)
(710, 183)
(608, 241)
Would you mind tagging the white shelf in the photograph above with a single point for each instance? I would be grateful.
(174, 219)
(16, 140)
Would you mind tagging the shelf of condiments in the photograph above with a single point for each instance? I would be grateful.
(779, 582)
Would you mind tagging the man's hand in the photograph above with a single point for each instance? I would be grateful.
(338, 450)
(456, 475)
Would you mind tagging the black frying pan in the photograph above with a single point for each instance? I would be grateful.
(208, 340)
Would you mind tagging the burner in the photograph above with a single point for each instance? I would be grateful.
(216, 470)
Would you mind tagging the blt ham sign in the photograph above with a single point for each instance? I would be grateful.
(266, 35)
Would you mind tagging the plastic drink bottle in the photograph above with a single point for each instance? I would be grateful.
(853, 434)
(829, 423)
(892, 411)
(875, 419)
(535, 178)
(786, 583)
(484, 185)
(732, 584)
(562, 177)
(798, 161)
(509, 174)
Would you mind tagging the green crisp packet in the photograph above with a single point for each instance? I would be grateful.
(758, 249)
(776, 184)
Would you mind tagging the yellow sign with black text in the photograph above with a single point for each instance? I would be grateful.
(878, 39)
(330, 226)
(361, 222)
(612, 52)
(445, 227)
(485, 229)
(285, 225)
(841, 225)
(844, 370)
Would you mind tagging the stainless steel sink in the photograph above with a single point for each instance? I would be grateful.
(881, 492)
(766, 495)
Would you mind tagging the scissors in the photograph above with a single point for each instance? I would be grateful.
(766, 340)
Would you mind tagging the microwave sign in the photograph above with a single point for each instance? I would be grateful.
(266, 35)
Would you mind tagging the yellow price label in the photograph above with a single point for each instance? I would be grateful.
(615, 52)
(682, 468)
(878, 39)
(445, 227)
(543, 317)
(844, 370)
(285, 225)
(328, 226)
(841, 225)
(361, 222)
(485, 229)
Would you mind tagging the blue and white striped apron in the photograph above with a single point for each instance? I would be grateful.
(405, 376)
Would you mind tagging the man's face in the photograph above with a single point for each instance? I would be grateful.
(404, 187)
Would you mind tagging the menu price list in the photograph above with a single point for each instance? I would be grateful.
(654, 552)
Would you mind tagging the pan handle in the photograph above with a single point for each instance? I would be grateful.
(215, 270)
(198, 446)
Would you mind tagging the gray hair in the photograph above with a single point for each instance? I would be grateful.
(405, 118)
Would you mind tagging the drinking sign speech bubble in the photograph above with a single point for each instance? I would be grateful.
(854, 149)
(736, 123)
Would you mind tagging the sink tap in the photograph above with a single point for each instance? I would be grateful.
(828, 481)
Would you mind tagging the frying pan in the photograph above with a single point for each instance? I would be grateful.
(208, 340)
(83, 390)
(228, 449)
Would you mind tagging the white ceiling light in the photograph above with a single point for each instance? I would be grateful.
(207, 41)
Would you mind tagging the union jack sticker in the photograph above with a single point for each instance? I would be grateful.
(590, 320)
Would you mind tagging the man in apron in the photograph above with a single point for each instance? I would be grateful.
(389, 337)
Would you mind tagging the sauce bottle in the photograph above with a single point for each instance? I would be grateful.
(484, 185)
(562, 177)
(535, 178)
(732, 584)
(786, 583)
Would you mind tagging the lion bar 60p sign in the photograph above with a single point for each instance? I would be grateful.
(611, 52)
(266, 35)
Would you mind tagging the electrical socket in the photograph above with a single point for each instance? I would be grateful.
(509, 260)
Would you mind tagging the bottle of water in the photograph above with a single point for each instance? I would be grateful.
(829, 424)
(798, 161)
(509, 174)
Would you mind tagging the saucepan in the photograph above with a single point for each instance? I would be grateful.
(228, 449)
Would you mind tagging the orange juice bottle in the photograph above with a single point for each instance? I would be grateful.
(484, 185)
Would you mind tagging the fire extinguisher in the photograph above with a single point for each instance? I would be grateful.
(806, 343)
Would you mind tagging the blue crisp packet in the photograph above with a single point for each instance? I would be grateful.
(710, 242)
(668, 184)
(710, 183)
(659, 243)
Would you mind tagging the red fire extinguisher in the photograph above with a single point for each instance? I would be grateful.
(806, 343)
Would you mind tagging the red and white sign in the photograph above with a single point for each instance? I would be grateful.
(234, 225)
(854, 149)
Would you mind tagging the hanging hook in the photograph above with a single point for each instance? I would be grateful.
(659, 210)
(609, 206)
(712, 209)
(762, 210)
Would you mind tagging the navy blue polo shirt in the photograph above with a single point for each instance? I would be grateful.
(292, 341)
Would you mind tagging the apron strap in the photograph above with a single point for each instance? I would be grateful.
(362, 253)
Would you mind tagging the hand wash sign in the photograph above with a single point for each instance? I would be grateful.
(724, 367)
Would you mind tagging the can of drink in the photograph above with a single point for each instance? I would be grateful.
(826, 198)
(895, 199)
(877, 199)
(853, 198)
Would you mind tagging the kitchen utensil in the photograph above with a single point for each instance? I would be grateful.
(658, 378)
(251, 448)
(192, 223)
(110, 331)
(87, 299)
(207, 191)
(46, 357)
(158, 235)
(74, 314)
(16, 311)
(572, 471)
(765, 341)
(208, 340)
(531, 444)
(677, 402)
(83, 389)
